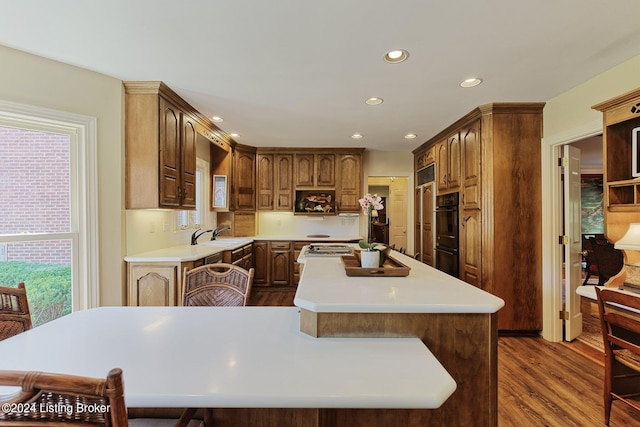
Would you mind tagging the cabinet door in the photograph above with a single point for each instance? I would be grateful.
(442, 165)
(169, 151)
(261, 263)
(265, 182)
(325, 170)
(244, 179)
(471, 247)
(304, 170)
(281, 265)
(470, 145)
(453, 174)
(283, 182)
(349, 185)
(417, 217)
(188, 164)
(428, 207)
(152, 285)
(297, 248)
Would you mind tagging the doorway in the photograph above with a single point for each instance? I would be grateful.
(552, 223)
(395, 216)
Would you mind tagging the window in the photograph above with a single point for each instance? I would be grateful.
(193, 218)
(48, 208)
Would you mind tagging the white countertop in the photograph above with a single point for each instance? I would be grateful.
(252, 357)
(204, 248)
(325, 287)
(589, 291)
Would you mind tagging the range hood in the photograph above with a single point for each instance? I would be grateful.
(315, 202)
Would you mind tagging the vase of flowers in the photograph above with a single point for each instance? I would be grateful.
(368, 203)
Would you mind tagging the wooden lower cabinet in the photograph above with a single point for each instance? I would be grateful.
(242, 257)
(281, 265)
(261, 263)
(160, 283)
(297, 267)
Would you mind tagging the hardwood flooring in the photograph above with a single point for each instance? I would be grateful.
(539, 383)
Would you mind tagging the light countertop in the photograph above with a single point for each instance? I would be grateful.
(184, 357)
(325, 287)
(204, 248)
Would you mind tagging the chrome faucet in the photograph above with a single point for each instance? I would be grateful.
(218, 231)
(196, 234)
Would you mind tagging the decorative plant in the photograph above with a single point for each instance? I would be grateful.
(368, 203)
(384, 249)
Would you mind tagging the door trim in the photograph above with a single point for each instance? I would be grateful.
(552, 226)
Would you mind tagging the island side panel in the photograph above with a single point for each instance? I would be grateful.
(464, 343)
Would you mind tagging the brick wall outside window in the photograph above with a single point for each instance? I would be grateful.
(34, 194)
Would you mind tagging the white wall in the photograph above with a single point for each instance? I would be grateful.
(33, 80)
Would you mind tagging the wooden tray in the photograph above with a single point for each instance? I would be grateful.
(390, 267)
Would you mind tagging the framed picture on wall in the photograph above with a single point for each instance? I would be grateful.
(219, 191)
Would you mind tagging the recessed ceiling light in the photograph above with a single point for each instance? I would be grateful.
(471, 82)
(356, 136)
(216, 119)
(410, 136)
(374, 101)
(235, 135)
(395, 56)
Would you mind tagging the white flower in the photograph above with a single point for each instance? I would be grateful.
(369, 202)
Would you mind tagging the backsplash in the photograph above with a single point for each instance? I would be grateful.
(288, 224)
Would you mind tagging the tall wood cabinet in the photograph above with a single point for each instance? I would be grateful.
(349, 182)
(500, 205)
(448, 160)
(243, 184)
(160, 148)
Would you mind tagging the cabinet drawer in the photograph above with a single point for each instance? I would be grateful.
(281, 245)
(213, 259)
(237, 254)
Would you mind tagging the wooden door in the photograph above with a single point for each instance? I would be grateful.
(573, 242)
(325, 170)
(304, 170)
(244, 177)
(261, 263)
(453, 151)
(471, 247)
(471, 184)
(281, 274)
(427, 211)
(349, 186)
(397, 212)
(283, 182)
(153, 284)
(417, 219)
(264, 184)
(169, 151)
(442, 165)
(188, 163)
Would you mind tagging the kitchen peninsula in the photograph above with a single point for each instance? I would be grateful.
(455, 320)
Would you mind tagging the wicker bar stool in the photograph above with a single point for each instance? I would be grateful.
(217, 285)
(15, 316)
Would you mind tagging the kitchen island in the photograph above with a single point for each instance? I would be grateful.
(455, 320)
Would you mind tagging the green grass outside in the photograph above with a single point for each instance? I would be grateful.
(48, 287)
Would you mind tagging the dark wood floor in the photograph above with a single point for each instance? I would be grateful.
(539, 383)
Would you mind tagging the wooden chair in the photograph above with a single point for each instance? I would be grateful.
(53, 399)
(217, 285)
(609, 259)
(15, 316)
(621, 336)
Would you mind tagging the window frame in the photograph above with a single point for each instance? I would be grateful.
(82, 132)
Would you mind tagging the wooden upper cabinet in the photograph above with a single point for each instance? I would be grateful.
(265, 184)
(283, 182)
(275, 181)
(471, 166)
(160, 148)
(315, 170)
(349, 186)
(243, 193)
(448, 164)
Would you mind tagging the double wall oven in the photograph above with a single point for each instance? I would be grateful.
(447, 234)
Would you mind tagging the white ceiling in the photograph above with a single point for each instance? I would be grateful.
(297, 72)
